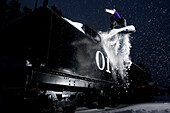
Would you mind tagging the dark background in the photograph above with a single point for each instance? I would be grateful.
(150, 44)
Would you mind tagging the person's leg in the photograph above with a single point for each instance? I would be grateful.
(124, 22)
(113, 24)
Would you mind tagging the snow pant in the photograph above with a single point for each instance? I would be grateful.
(120, 22)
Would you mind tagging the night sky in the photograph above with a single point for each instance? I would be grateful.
(150, 43)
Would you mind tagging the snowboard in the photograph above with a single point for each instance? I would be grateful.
(127, 29)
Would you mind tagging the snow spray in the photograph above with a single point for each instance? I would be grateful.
(117, 48)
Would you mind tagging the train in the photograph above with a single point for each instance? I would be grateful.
(52, 65)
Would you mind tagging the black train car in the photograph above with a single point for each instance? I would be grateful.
(54, 58)
(58, 48)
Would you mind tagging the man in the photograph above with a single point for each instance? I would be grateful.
(116, 20)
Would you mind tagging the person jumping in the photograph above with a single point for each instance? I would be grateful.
(116, 20)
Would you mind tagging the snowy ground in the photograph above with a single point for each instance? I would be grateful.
(159, 104)
(144, 108)
(137, 108)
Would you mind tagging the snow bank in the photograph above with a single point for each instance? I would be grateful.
(75, 24)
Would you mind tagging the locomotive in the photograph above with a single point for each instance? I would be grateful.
(59, 64)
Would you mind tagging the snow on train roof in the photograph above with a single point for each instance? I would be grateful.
(75, 24)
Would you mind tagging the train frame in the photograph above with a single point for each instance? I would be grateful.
(50, 55)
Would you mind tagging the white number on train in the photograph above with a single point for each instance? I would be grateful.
(100, 61)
